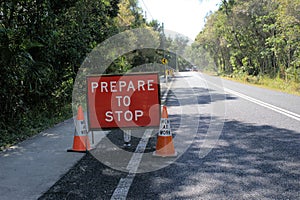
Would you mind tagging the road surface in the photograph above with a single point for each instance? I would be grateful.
(257, 155)
(233, 141)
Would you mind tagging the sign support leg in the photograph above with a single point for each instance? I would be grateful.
(93, 138)
(127, 138)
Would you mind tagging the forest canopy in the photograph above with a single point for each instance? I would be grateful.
(254, 37)
(43, 43)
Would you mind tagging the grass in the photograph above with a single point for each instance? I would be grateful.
(278, 84)
(30, 124)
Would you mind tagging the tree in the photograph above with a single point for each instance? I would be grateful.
(257, 37)
(42, 44)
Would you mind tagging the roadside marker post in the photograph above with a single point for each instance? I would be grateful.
(164, 61)
(127, 137)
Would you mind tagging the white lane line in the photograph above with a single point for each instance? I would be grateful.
(164, 98)
(124, 184)
(264, 104)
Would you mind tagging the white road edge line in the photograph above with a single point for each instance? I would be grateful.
(264, 104)
(261, 103)
(124, 184)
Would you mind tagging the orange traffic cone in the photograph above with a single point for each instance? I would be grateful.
(165, 113)
(81, 142)
(164, 144)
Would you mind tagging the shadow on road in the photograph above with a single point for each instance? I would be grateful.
(203, 95)
(249, 162)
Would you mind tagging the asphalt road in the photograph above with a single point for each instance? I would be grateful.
(233, 141)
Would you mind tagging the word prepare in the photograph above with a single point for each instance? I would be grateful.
(120, 86)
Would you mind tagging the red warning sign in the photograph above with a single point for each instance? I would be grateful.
(131, 100)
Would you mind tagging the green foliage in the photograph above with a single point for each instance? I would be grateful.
(42, 45)
(257, 37)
